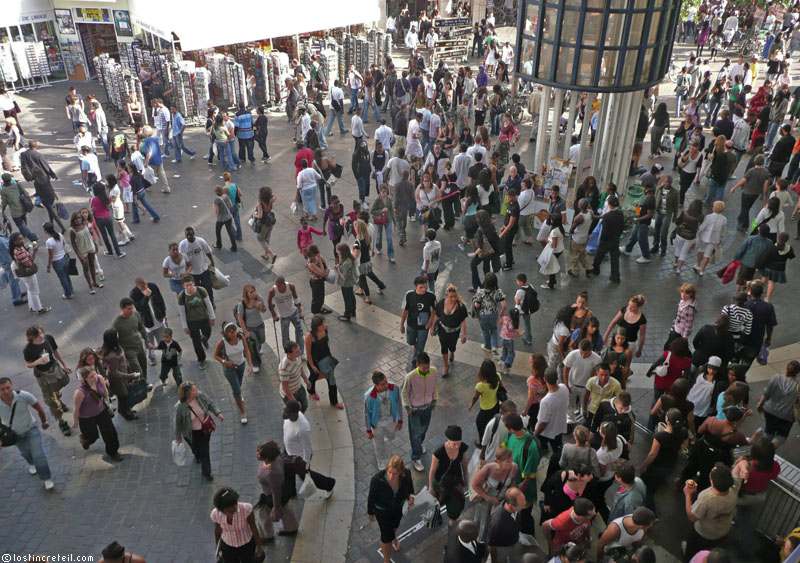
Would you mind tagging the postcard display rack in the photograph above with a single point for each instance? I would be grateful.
(327, 54)
(228, 79)
(258, 62)
(24, 65)
(119, 83)
(362, 52)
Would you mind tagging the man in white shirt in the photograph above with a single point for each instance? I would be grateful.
(355, 82)
(29, 440)
(430, 88)
(357, 129)
(431, 39)
(496, 432)
(395, 168)
(305, 122)
(461, 164)
(578, 368)
(384, 135)
(337, 107)
(574, 149)
(737, 69)
(297, 442)
(527, 209)
(90, 168)
(507, 55)
(101, 125)
(434, 126)
(552, 419)
(83, 139)
(470, 86)
(413, 144)
(438, 157)
(162, 120)
(198, 252)
(477, 147)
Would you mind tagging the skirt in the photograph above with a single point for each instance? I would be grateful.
(776, 276)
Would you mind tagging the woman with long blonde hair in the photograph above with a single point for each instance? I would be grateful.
(362, 250)
(450, 320)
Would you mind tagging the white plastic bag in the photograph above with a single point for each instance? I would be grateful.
(179, 453)
(545, 256)
(222, 279)
(149, 174)
(307, 489)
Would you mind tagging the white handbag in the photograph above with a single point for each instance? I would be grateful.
(661, 371)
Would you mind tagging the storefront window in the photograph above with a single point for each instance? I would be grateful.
(15, 36)
(27, 33)
(4, 35)
(45, 32)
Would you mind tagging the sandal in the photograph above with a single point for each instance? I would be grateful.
(396, 544)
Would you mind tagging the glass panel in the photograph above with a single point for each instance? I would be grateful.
(46, 33)
(566, 61)
(531, 19)
(637, 28)
(608, 68)
(586, 67)
(592, 27)
(27, 32)
(526, 58)
(545, 60)
(655, 23)
(630, 67)
(3, 35)
(595, 4)
(616, 24)
(549, 16)
(640, 4)
(569, 27)
(647, 64)
(14, 33)
(619, 4)
(575, 3)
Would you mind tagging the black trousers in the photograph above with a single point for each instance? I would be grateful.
(612, 249)
(508, 246)
(243, 554)
(696, 543)
(484, 417)
(262, 144)
(349, 302)
(685, 182)
(204, 281)
(246, 144)
(218, 230)
(199, 331)
(317, 295)
(99, 425)
(333, 394)
(200, 449)
(525, 519)
(362, 282)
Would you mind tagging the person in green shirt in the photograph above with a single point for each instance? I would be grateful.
(132, 337)
(525, 450)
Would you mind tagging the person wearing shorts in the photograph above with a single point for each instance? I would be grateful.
(777, 403)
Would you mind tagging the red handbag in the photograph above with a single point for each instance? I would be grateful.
(381, 219)
(207, 425)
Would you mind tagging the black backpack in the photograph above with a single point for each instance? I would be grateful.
(530, 302)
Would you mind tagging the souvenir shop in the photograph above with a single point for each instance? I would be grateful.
(30, 54)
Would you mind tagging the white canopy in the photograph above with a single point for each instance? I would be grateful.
(200, 24)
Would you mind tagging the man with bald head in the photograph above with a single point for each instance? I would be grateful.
(503, 528)
(463, 545)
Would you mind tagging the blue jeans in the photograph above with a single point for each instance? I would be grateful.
(424, 141)
(309, 195)
(431, 277)
(416, 337)
(298, 328)
(365, 113)
(639, 234)
(226, 155)
(177, 142)
(771, 133)
(321, 134)
(418, 422)
(715, 191)
(29, 445)
(379, 243)
(678, 102)
(237, 223)
(336, 115)
(713, 110)
(489, 330)
(13, 283)
(507, 357)
(526, 325)
(142, 197)
(389, 101)
(353, 100)
(60, 266)
(234, 376)
(22, 225)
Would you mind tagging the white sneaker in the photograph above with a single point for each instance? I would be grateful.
(32, 469)
(424, 449)
(174, 161)
(418, 466)
(624, 250)
(256, 369)
(328, 494)
(642, 260)
(48, 485)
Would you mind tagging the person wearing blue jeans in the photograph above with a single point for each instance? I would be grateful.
(382, 207)
(284, 305)
(642, 226)
(178, 125)
(336, 115)
(716, 191)
(17, 297)
(29, 441)
(141, 196)
(369, 102)
(420, 394)
(234, 355)
(55, 246)
(418, 306)
(227, 156)
(490, 303)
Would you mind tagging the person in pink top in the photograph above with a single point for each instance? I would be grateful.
(304, 237)
(235, 531)
(101, 208)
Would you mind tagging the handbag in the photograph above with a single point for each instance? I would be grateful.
(26, 271)
(307, 489)
(72, 267)
(661, 371)
(381, 219)
(137, 392)
(61, 211)
(207, 424)
(25, 200)
(254, 223)
(55, 378)
(7, 436)
(179, 453)
(337, 170)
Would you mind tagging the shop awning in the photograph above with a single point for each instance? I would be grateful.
(199, 26)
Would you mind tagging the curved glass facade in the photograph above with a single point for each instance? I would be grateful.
(596, 45)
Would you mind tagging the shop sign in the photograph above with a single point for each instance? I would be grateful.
(65, 24)
(93, 15)
(452, 22)
(34, 17)
(151, 28)
(122, 23)
(460, 32)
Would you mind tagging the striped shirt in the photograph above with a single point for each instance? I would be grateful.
(291, 372)
(740, 320)
(237, 533)
(685, 319)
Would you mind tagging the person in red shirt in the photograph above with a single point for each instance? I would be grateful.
(303, 153)
(573, 525)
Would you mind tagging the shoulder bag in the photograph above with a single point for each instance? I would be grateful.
(7, 436)
(23, 271)
(207, 424)
(101, 399)
(661, 371)
(55, 378)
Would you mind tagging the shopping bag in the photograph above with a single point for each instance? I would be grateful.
(433, 517)
(594, 238)
(331, 277)
(424, 498)
(179, 453)
(307, 489)
(218, 279)
(545, 256)
(149, 175)
(763, 355)
(61, 211)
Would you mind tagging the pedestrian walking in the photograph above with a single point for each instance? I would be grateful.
(197, 316)
(233, 353)
(192, 422)
(93, 415)
(275, 480)
(420, 395)
(389, 489)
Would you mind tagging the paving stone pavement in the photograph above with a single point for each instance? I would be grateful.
(147, 483)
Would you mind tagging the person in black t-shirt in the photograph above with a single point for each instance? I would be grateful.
(418, 306)
(641, 226)
(510, 227)
(613, 226)
(503, 528)
(41, 353)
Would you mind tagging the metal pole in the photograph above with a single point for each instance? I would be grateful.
(624, 130)
(573, 105)
(544, 116)
(555, 124)
(585, 127)
(597, 148)
(607, 141)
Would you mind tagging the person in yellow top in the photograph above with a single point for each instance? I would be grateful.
(600, 387)
(786, 544)
(489, 383)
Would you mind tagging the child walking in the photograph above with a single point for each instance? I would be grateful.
(509, 329)
(170, 358)
(124, 180)
(304, 237)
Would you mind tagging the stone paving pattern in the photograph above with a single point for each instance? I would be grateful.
(146, 502)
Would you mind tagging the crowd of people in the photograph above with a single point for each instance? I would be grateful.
(434, 160)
